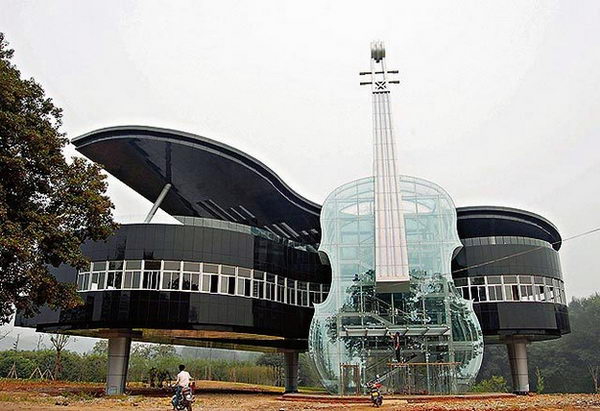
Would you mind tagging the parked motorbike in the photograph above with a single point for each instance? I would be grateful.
(375, 392)
(183, 401)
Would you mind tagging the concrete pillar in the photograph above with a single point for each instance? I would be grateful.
(118, 360)
(291, 371)
(517, 356)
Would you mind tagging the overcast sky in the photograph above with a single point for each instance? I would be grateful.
(498, 102)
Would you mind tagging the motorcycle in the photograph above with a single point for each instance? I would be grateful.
(375, 392)
(183, 401)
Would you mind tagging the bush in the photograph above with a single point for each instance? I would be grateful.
(493, 384)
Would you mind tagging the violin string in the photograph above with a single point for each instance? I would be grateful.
(525, 252)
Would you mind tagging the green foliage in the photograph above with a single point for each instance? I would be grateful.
(563, 363)
(539, 381)
(495, 383)
(271, 360)
(48, 206)
(101, 347)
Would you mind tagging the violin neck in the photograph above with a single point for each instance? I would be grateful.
(391, 256)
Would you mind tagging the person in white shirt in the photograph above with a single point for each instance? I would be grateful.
(183, 381)
(183, 378)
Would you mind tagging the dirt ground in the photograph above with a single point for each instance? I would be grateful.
(30, 395)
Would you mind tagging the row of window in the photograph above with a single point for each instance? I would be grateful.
(494, 240)
(512, 288)
(199, 277)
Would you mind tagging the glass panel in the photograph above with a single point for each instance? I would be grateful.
(244, 272)
(210, 268)
(194, 267)
(525, 279)
(494, 279)
(101, 281)
(151, 265)
(460, 282)
(171, 265)
(136, 279)
(508, 292)
(214, 283)
(258, 288)
(128, 280)
(195, 282)
(186, 281)
(99, 266)
(133, 265)
(206, 283)
(231, 285)
(477, 280)
(115, 265)
(510, 279)
(482, 294)
(94, 281)
(225, 269)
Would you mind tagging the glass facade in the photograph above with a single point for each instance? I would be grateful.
(200, 278)
(352, 328)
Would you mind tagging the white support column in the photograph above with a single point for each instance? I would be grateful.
(517, 356)
(291, 371)
(118, 360)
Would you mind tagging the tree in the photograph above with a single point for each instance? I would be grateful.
(59, 342)
(48, 206)
(100, 347)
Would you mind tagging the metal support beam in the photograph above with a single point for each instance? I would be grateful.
(118, 361)
(291, 371)
(157, 203)
(517, 356)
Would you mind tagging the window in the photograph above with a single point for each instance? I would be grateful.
(210, 268)
(460, 282)
(170, 280)
(302, 294)
(244, 282)
(527, 293)
(315, 293)
(114, 279)
(82, 281)
(131, 279)
(291, 291)
(258, 284)
(477, 280)
(133, 265)
(172, 265)
(150, 281)
(191, 267)
(495, 293)
(244, 287)
(270, 287)
(494, 279)
(190, 282)
(227, 285)
(280, 289)
(475, 294)
(94, 278)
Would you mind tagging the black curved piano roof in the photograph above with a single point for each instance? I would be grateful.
(209, 179)
(483, 221)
